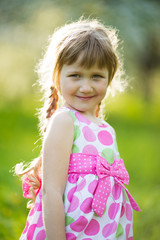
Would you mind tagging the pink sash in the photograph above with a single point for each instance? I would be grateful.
(94, 164)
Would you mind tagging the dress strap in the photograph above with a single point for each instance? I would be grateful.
(94, 164)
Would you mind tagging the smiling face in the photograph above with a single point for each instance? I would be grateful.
(83, 89)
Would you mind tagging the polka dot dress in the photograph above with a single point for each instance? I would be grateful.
(82, 222)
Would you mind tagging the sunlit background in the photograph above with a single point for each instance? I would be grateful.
(135, 115)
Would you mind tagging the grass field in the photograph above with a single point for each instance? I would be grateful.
(138, 131)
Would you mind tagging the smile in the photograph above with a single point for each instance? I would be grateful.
(85, 98)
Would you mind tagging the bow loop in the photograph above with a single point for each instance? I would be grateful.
(103, 168)
(116, 170)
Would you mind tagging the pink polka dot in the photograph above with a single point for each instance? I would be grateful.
(70, 193)
(74, 204)
(128, 212)
(40, 221)
(36, 206)
(109, 229)
(40, 193)
(113, 210)
(122, 211)
(92, 186)
(30, 232)
(90, 149)
(127, 229)
(87, 238)
(32, 211)
(81, 185)
(41, 235)
(93, 228)
(26, 227)
(116, 191)
(82, 118)
(39, 207)
(70, 236)
(86, 205)
(130, 238)
(105, 137)
(73, 178)
(88, 134)
(79, 224)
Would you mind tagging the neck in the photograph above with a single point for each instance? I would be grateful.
(91, 115)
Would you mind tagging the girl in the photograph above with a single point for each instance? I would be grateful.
(77, 184)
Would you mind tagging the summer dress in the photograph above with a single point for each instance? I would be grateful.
(97, 204)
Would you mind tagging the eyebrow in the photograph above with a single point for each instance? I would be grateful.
(79, 70)
(71, 71)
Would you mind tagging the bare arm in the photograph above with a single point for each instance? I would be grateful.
(56, 154)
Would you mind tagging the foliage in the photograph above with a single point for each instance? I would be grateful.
(25, 32)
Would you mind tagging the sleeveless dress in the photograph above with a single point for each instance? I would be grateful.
(97, 204)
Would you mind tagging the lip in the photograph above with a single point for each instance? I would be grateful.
(85, 98)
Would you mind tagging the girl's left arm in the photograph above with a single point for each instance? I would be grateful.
(56, 155)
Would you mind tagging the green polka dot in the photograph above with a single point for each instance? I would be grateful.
(75, 149)
(77, 132)
(68, 220)
(115, 144)
(73, 116)
(96, 215)
(118, 156)
(116, 148)
(108, 154)
(119, 230)
(127, 199)
(63, 198)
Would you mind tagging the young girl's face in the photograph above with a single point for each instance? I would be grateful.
(83, 89)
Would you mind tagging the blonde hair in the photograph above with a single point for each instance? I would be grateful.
(96, 44)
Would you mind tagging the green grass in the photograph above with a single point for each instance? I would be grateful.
(18, 134)
(137, 125)
(138, 130)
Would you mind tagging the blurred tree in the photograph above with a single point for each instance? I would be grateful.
(28, 23)
(139, 22)
(149, 61)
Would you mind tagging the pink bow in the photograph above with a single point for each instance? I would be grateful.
(104, 171)
(26, 188)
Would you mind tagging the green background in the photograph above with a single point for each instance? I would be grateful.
(135, 114)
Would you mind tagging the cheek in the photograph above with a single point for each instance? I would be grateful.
(102, 89)
(103, 93)
(68, 88)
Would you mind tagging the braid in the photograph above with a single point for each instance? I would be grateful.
(53, 102)
(97, 109)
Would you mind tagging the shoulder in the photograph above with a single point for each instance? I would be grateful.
(60, 123)
(62, 118)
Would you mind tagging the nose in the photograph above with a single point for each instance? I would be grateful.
(86, 86)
